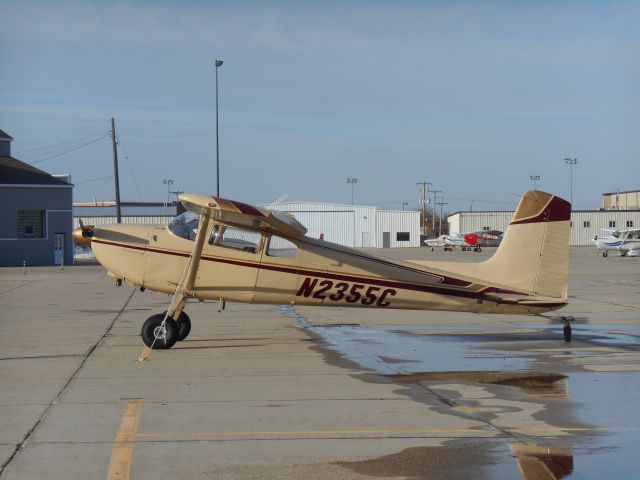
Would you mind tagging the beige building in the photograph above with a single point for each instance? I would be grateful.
(621, 200)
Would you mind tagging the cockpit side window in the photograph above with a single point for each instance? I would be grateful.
(185, 225)
(236, 238)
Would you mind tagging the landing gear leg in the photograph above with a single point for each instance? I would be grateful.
(566, 330)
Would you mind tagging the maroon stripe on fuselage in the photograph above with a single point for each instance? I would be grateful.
(334, 276)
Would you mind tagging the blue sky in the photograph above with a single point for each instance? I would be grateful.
(472, 96)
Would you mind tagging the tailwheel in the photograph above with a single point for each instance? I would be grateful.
(566, 330)
(158, 333)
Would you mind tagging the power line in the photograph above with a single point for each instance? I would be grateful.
(128, 162)
(31, 152)
(108, 177)
(59, 154)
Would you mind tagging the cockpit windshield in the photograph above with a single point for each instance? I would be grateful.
(185, 225)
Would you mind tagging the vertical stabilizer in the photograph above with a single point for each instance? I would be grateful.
(534, 254)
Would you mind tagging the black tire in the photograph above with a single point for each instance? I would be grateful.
(151, 327)
(479, 249)
(567, 332)
(184, 326)
(605, 254)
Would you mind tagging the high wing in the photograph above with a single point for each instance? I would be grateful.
(621, 230)
(240, 214)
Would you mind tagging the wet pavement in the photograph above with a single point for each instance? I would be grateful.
(263, 391)
(580, 398)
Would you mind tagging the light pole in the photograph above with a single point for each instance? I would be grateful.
(403, 204)
(352, 181)
(534, 179)
(571, 162)
(177, 193)
(168, 182)
(217, 63)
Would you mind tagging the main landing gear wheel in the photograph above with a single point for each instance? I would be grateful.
(184, 326)
(159, 337)
(605, 254)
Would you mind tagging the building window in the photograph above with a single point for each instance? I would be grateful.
(30, 224)
(629, 223)
(486, 229)
(612, 224)
(571, 224)
(586, 224)
(402, 236)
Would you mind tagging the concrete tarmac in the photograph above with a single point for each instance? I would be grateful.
(277, 392)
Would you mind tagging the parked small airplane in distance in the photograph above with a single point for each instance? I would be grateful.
(482, 238)
(225, 250)
(444, 240)
(626, 241)
(467, 241)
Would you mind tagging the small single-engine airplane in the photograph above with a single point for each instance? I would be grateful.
(626, 241)
(467, 241)
(482, 238)
(228, 251)
(445, 240)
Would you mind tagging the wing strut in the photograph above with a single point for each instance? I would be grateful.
(186, 283)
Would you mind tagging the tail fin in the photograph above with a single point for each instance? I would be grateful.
(534, 254)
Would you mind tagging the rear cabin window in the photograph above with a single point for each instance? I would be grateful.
(282, 248)
(185, 225)
(236, 238)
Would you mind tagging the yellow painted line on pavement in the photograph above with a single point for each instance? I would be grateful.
(120, 465)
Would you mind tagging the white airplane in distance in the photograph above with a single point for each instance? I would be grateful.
(445, 240)
(626, 241)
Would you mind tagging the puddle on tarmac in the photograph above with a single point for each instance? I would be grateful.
(490, 460)
(508, 357)
(532, 383)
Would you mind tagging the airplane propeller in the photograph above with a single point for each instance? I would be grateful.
(83, 234)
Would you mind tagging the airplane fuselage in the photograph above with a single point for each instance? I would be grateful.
(320, 273)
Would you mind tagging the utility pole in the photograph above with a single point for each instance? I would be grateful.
(424, 191)
(440, 222)
(115, 169)
(433, 210)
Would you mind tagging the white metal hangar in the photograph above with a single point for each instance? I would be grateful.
(356, 225)
(585, 224)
